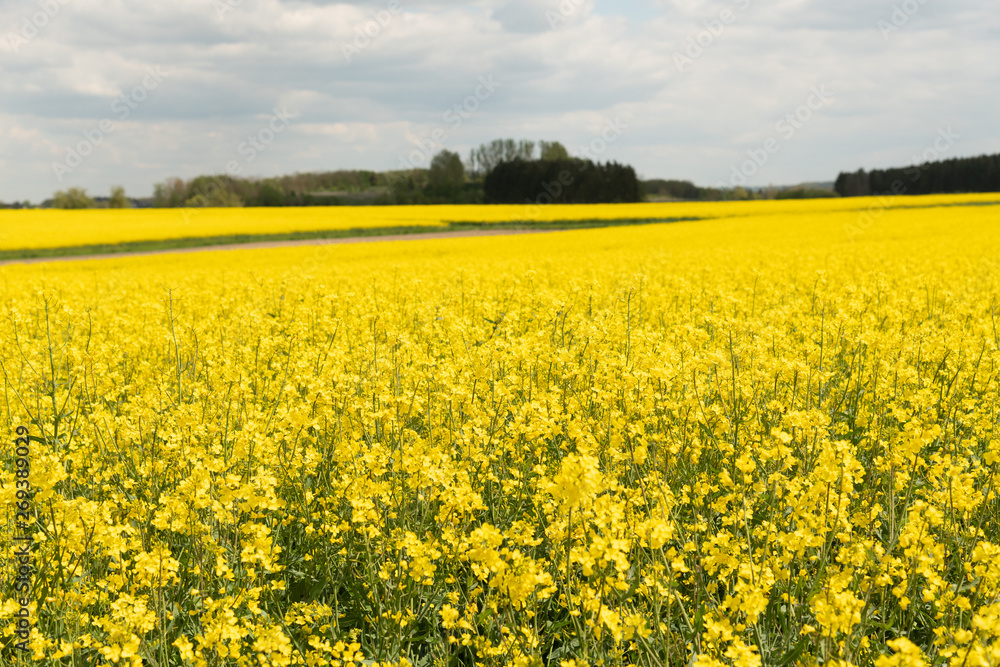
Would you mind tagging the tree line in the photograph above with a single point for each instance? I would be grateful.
(447, 180)
(955, 175)
(501, 171)
(504, 170)
(77, 198)
(560, 181)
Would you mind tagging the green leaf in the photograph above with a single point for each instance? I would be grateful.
(793, 653)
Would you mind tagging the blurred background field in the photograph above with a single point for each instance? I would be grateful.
(32, 232)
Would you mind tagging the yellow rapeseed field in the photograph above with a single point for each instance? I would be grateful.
(33, 228)
(42, 228)
(768, 439)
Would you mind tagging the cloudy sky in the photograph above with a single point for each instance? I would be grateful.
(101, 92)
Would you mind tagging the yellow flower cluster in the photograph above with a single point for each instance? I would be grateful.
(746, 441)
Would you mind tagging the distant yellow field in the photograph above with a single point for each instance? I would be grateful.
(34, 229)
(53, 228)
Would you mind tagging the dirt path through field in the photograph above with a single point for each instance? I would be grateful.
(419, 236)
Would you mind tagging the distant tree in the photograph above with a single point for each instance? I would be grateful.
(553, 150)
(213, 192)
(270, 194)
(118, 198)
(72, 198)
(571, 181)
(969, 174)
(170, 194)
(672, 188)
(222, 199)
(487, 157)
(447, 172)
(857, 184)
(218, 191)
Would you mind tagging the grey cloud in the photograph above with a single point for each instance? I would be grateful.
(558, 82)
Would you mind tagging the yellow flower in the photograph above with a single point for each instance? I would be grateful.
(449, 616)
(185, 647)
